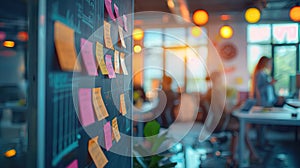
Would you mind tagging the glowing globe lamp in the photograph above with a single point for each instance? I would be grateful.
(226, 32)
(295, 13)
(196, 31)
(200, 17)
(252, 15)
(137, 48)
(138, 34)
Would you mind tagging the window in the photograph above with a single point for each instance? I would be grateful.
(280, 42)
(177, 53)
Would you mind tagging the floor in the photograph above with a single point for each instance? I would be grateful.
(282, 151)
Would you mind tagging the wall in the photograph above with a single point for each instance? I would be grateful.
(235, 68)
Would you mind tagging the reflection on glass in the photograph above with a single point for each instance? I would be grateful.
(259, 33)
(285, 33)
(284, 66)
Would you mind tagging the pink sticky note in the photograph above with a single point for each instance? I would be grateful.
(86, 106)
(109, 9)
(74, 164)
(125, 22)
(109, 66)
(107, 135)
(88, 57)
(118, 16)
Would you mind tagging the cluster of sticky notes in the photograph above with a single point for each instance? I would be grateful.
(65, 46)
(96, 153)
(121, 19)
(90, 103)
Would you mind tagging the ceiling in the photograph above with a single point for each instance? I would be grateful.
(271, 10)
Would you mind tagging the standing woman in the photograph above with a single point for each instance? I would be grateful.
(263, 84)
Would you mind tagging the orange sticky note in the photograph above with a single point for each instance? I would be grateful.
(96, 153)
(100, 58)
(121, 37)
(115, 129)
(65, 46)
(107, 37)
(117, 61)
(99, 105)
(122, 105)
(123, 65)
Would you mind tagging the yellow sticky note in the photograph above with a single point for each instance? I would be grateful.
(117, 61)
(123, 65)
(96, 153)
(99, 105)
(115, 129)
(65, 46)
(107, 37)
(122, 105)
(121, 37)
(100, 58)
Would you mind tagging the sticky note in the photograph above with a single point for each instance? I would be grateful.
(96, 153)
(123, 65)
(99, 105)
(109, 9)
(88, 57)
(122, 105)
(121, 37)
(125, 23)
(109, 66)
(73, 164)
(115, 129)
(85, 106)
(100, 58)
(107, 37)
(65, 46)
(107, 136)
(120, 19)
(117, 61)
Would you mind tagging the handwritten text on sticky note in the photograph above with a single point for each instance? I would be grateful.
(99, 105)
(117, 61)
(107, 36)
(96, 153)
(115, 129)
(100, 58)
(122, 104)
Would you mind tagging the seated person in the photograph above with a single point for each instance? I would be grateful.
(167, 102)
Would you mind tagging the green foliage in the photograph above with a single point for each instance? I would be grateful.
(151, 132)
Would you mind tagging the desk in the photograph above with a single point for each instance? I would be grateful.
(259, 115)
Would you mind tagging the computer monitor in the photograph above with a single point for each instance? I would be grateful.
(292, 86)
(298, 81)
